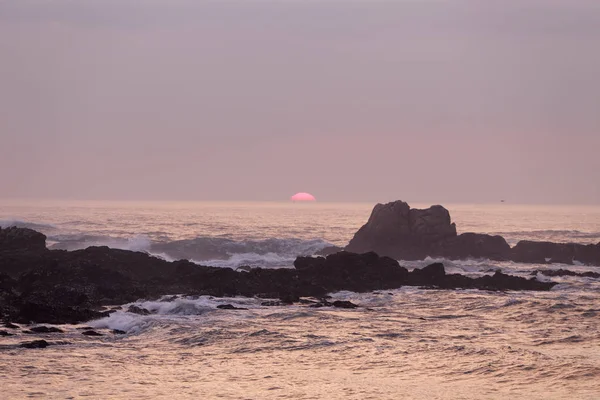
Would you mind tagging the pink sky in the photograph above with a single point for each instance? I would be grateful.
(426, 101)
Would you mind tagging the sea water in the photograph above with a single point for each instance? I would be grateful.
(405, 343)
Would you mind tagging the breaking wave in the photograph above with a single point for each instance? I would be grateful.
(214, 251)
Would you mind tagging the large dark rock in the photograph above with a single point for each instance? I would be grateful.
(396, 230)
(472, 245)
(21, 239)
(350, 271)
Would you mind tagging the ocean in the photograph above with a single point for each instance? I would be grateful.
(406, 343)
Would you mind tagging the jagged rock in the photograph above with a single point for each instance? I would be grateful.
(4, 333)
(36, 344)
(22, 239)
(396, 230)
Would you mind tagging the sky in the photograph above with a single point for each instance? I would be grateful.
(443, 101)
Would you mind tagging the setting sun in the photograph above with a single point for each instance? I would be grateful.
(302, 196)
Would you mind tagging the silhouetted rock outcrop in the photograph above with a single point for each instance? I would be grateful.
(21, 239)
(396, 230)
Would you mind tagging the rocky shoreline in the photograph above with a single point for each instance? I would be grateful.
(38, 285)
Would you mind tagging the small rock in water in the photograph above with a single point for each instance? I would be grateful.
(118, 332)
(44, 329)
(36, 344)
(10, 325)
(344, 304)
(85, 328)
(138, 310)
(229, 307)
(91, 333)
(4, 333)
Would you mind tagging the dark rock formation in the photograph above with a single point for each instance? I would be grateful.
(36, 344)
(56, 286)
(396, 230)
(5, 333)
(22, 239)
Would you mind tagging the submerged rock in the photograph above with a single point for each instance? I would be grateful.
(138, 310)
(44, 329)
(229, 307)
(91, 333)
(344, 304)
